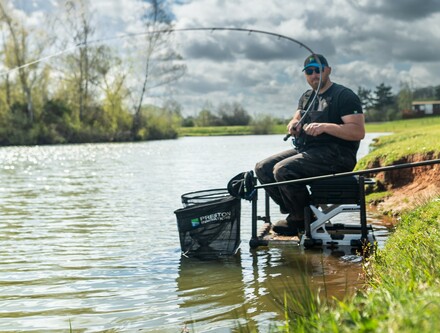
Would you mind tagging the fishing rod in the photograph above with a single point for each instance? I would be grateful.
(177, 30)
(351, 173)
(158, 32)
(303, 117)
(166, 31)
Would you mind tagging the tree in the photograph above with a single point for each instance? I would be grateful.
(159, 68)
(383, 97)
(404, 97)
(366, 98)
(80, 71)
(424, 93)
(233, 114)
(115, 117)
(173, 106)
(17, 56)
(437, 92)
(79, 25)
(207, 118)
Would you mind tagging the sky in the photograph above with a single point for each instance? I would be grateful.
(366, 42)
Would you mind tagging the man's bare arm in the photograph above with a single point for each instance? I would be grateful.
(353, 128)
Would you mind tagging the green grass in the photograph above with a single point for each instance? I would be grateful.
(403, 125)
(376, 197)
(403, 290)
(215, 130)
(406, 144)
(390, 127)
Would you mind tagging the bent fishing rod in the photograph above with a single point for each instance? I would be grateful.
(160, 32)
(167, 31)
(351, 173)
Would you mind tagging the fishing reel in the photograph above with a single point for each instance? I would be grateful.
(297, 141)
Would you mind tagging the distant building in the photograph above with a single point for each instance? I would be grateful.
(424, 108)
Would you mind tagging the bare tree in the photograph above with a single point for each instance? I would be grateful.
(16, 54)
(159, 68)
(81, 28)
(7, 98)
(79, 68)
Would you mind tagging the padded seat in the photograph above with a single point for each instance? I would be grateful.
(338, 190)
(329, 198)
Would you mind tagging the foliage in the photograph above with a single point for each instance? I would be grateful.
(383, 97)
(380, 105)
(402, 292)
(233, 114)
(262, 125)
(206, 118)
(80, 96)
(426, 93)
(226, 114)
(404, 97)
(400, 296)
(366, 97)
(215, 130)
(156, 123)
(90, 93)
(158, 58)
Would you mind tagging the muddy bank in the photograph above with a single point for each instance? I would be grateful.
(408, 188)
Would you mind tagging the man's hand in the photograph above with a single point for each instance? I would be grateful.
(294, 127)
(353, 128)
(314, 129)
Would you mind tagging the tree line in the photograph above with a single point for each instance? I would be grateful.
(379, 104)
(382, 105)
(90, 93)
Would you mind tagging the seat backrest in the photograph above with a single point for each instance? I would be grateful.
(337, 190)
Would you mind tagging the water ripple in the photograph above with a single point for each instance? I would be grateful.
(88, 237)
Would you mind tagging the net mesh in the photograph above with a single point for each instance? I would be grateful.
(209, 223)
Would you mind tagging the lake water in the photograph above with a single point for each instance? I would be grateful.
(89, 239)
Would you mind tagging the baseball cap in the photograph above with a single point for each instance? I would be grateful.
(311, 61)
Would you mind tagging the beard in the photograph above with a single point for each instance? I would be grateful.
(314, 83)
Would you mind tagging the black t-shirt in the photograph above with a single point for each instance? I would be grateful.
(336, 102)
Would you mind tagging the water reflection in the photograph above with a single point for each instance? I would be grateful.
(251, 296)
(212, 290)
(88, 235)
(288, 268)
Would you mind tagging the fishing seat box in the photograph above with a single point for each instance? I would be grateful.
(338, 190)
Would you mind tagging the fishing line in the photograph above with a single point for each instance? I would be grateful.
(167, 31)
(162, 31)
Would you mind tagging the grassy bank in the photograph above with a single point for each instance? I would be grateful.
(410, 137)
(215, 130)
(402, 292)
(403, 288)
(391, 126)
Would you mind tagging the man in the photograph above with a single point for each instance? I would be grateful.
(326, 142)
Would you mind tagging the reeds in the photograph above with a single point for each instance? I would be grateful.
(403, 290)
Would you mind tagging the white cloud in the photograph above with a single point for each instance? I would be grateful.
(366, 42)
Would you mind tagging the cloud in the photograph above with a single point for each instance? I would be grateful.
(367, 42)
(403, 10)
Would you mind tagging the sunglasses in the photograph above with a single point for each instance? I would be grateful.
(317, 70)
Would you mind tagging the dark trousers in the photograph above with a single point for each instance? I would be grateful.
(292, 164)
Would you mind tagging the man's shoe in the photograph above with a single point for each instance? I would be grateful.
(288, 227)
